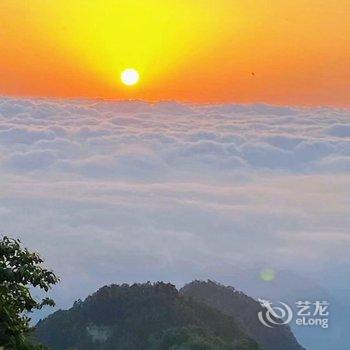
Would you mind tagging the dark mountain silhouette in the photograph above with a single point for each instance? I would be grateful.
(141, 317)
(244, 311)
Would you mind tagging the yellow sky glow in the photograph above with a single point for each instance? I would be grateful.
(189, 50)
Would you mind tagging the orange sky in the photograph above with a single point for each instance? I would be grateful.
(187, 50)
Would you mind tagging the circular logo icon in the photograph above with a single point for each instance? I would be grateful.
(274, 315)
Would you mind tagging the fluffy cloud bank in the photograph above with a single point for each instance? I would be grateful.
(122, 191)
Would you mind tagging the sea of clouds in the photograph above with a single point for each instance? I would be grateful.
(131, 191)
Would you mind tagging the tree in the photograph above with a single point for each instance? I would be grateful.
(20, 272)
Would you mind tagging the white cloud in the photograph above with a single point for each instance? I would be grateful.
(339, 130)
(113, 191)
(31, 160)
(24, 135)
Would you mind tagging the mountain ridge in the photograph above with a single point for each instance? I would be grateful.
(144, 317)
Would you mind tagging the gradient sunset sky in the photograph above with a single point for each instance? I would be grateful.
(277, 51)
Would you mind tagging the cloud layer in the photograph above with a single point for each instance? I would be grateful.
(124, 191)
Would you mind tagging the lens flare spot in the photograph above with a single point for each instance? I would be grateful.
(268, 275)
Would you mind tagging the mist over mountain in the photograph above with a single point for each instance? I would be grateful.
(133, 191)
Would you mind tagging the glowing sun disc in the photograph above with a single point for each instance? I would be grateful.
(130, 76)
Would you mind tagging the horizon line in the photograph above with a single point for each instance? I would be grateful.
(181, 102)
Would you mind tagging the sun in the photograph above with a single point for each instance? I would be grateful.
(130, 76)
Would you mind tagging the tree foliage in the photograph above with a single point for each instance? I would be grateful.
(190, 338)
(20, 272)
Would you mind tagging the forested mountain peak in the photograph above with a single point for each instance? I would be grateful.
(149, 316)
